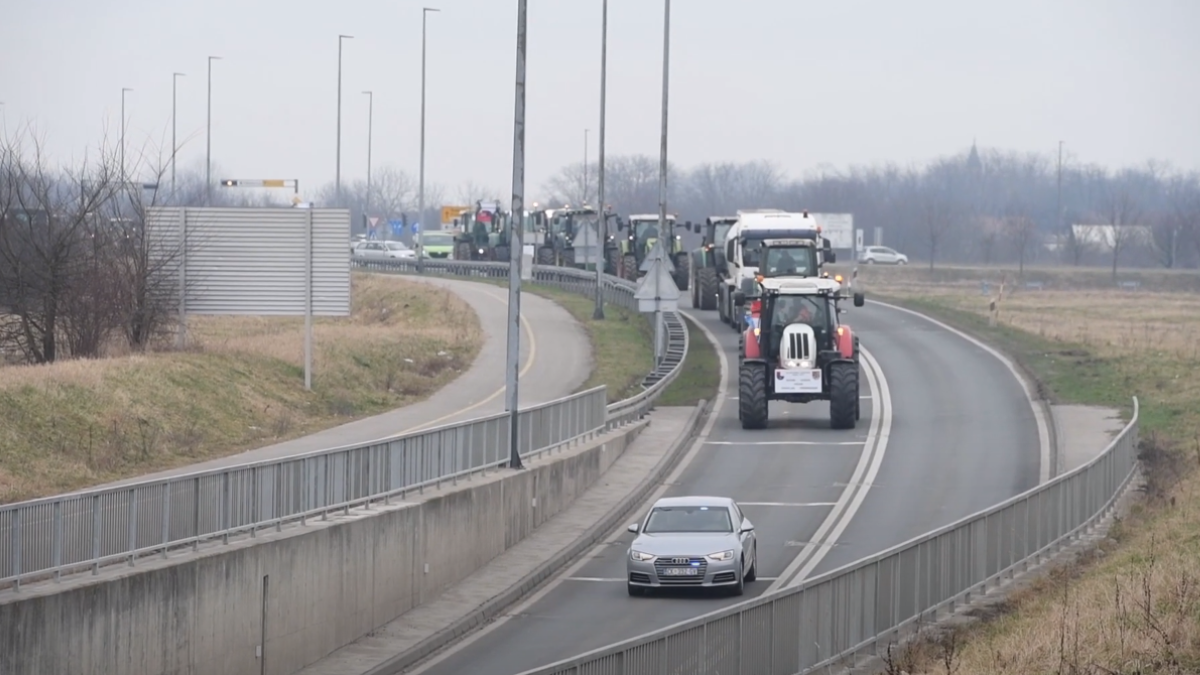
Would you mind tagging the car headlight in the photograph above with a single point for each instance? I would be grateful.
(723, 555)
(639, 556)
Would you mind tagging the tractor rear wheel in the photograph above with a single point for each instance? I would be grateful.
(545, 256)
(706, 279)
(502, 253)
(612, 258)
(752, 396)
(629, 267)
(569, 258)
(843, 394)
(463, 250)
(683, 272)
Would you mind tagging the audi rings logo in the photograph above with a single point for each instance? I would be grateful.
(679, 561)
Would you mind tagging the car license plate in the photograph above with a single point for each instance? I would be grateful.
(681, 571)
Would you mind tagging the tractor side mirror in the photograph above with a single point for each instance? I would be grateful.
(830, 256)
(748, 287)
(696, 228)
(620, 224)
(739, 299)
(686, 223)
(859, 299)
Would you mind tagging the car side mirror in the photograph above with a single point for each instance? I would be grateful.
(633, 528)
(859, 299)
(739, 299)
(747, 528)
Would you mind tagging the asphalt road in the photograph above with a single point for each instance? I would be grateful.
(556, 358)
(946, 430)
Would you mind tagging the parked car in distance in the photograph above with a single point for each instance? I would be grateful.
(380, 250)
(882, 255)
(698, 542)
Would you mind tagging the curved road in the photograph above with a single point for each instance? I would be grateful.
(946, 430)
(556, 360)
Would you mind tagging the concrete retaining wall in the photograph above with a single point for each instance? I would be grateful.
(309, 590)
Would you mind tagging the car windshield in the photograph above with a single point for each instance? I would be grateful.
(689, 519)
(789, 260)
(396, 246)
(436, 239)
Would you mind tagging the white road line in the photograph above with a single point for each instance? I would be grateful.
(785, 443)
(786, 503)
(573, 570)
(1038, 414)
(617, 580)
(847, 504)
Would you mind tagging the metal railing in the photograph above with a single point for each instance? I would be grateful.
(854, 610)
(55, 536)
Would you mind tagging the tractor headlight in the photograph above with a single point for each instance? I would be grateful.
(480, 251)
(797, 363)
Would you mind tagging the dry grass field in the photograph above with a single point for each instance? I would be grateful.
(239, 385)
(1133, 604)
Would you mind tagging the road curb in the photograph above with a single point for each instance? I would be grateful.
(530, 582)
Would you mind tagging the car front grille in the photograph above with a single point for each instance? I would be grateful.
(438, 255)
(662, 565)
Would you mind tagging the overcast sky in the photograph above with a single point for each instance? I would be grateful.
(798, 82)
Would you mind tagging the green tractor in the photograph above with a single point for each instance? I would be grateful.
(708, 261)
(562, 228)
(643, 232)
(482, 235)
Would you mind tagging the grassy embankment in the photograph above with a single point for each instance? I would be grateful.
(1133, 604)
(239, 385)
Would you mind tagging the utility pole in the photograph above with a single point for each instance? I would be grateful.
(602, 230)
(174, 106)
(337, 180)
(513, 365)
(370, 128)
(662, 161)
(124, 90)
(208, 139)
(585, 167)
(421, 181)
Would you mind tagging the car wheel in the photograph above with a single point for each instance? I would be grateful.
(739, 588)
(752, 573)
(870, 261)
(635, 591)
(902, 262)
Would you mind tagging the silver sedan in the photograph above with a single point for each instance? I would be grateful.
(704, 542)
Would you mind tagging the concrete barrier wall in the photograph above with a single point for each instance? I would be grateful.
(308, 589)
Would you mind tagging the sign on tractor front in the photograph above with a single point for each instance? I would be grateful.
(798, 381)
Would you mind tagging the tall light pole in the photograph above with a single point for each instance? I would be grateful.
(1060, 215)
(513, 364)
(370, 127)
(174, 146)
(585, 176)
(337, 181)
(208, 139)
(421, 181)
(124, 90)
(602, 231)
(662, 161)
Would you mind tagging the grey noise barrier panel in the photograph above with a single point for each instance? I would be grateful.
(530, 582)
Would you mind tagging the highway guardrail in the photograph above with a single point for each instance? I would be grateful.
(859, 608)
(52, 537)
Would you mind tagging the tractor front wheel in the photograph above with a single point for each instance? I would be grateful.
(682, 271)
(545, 256)
(629, 267)
(706, 279)
(752, 396)
(843, 394)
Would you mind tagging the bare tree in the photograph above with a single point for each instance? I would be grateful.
(1122, 216)
(569, 187)
(1021, 231)
(466, 194)
(938, 215)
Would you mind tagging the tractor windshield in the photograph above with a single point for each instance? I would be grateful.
(721, 231)
(807, 309)
(645, 229)
(789, 261)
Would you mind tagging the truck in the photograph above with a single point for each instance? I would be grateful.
(743, 246)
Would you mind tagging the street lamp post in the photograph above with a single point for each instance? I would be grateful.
(421, 180)
(370, 126)
(662, 160)
(513, 362)
(337, 181)
(174, 146)
(585, 176)
(208, 139)
(124, 90)
(602, 230)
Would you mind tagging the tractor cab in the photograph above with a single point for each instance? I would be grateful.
(796, 349)
(642, 232)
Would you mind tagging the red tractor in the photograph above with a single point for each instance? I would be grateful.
(797, 350)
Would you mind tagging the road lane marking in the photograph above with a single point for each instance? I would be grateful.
(1039, 415)
(617, 580)
(851, 498)
(786, 503)
(785, 443)
(523, 606)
